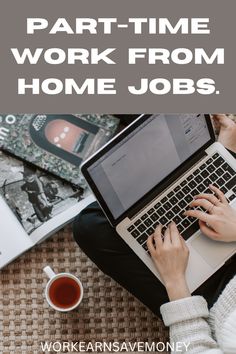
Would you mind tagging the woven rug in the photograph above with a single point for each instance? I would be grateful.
(108, 312)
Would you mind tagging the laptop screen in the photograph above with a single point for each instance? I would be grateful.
(145, 157)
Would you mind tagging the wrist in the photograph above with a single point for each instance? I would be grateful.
(177, 288)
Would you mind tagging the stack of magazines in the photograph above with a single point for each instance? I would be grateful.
(41, 186)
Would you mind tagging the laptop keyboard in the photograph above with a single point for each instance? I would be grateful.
(171, 207)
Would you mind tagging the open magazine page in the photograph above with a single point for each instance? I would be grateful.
(41, 202)
(62, 218)
(57, 143)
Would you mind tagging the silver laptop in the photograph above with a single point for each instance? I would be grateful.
(148, 174)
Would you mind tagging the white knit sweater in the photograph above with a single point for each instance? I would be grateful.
(208, 332)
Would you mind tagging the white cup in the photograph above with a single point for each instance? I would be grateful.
(52, 278)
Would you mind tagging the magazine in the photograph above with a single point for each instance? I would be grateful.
(43, 205)
(57, 143)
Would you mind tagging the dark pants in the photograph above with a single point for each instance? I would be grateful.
(115, 258)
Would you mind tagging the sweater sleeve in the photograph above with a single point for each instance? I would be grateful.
(187, 319)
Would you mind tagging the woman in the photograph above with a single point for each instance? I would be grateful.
(188, 316)
(189, 319)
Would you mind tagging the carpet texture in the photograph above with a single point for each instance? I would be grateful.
(107, 313)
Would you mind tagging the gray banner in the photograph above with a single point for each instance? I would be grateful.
(13, 34)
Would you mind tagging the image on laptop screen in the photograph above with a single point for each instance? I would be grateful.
(147, 156)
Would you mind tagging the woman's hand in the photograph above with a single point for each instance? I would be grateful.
(170, 255)
(220, 222)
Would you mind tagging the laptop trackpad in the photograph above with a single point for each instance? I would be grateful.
(213, 252)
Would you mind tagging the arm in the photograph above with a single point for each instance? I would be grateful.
(185, 315)
(40, 185)
(187, 319)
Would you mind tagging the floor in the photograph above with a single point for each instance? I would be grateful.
(107, 313)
